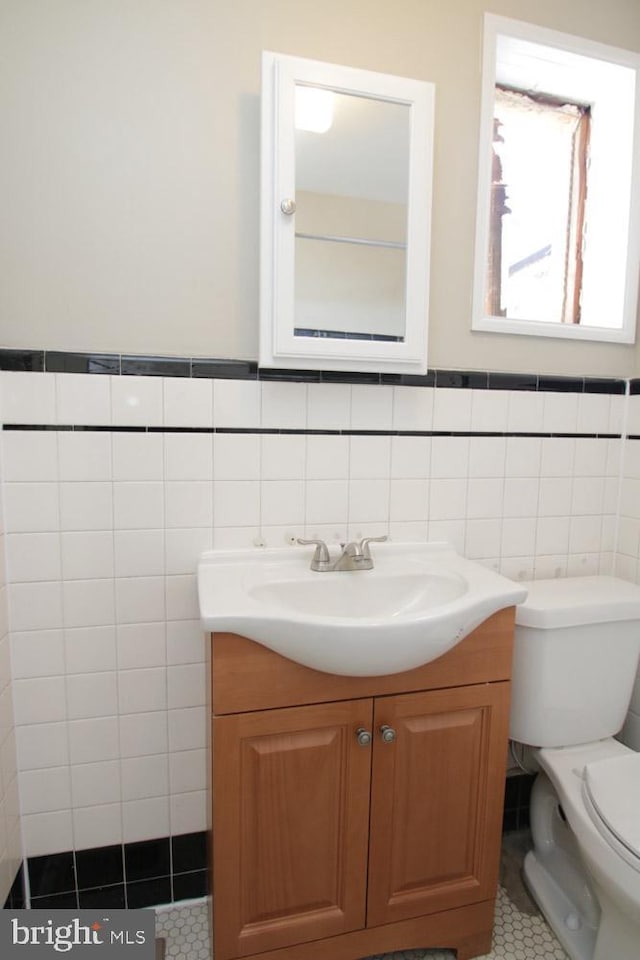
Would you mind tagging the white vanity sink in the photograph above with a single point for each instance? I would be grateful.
(418, 602)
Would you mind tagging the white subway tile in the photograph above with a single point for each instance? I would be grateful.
(452, 409)
(560, 412)
(32, 557)
(45, 833)
(31, 507)
(30, 455)
(39, 700)
(524, 456)
(183, 548)
(144, 734)
(449, 457)
(236, 403)
(46, 790)
(485, 497)
(284, 405)
(187, 729)
(520, 498)
(518, 537)
(487, 456)
(552, 535)
(447, 499)
(145, 777)
(87, 555)
(139, 553)
(329, 406)
(136, 401)
(28, 397)
(142, 691)
(236, 457)
(186, 685)
(98, 826)
(327, 501)
(92, 695)
(555, 497)
(139, 599)
(83, 398)
(590, 458)
(138, 456)
(409, 500)
(88, 603)
(42, 745)
(410, 457)
(448, 531)
(282, 502)
(37, 653)
(587, 496)
(181, 595)
(84, 455)
(94, 740)
(327, 458)
(526, 411)
(188, 402)
(188, 771)
(142, 645)
(86, 506)
(35, 606)
(138, 506)
(186, 642)
(189, 812)
(483, 539)
(236, 503)
(90, 649)
(594, 411)
(585, 535)
(489, 410)
(95, 783)
(412, 408)
(188, 456)
(369, 501)
(283, 457)
(188, 503)
(371, 407)
(145, 819)
(369, 457)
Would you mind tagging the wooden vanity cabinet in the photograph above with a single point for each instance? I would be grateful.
(328, 847)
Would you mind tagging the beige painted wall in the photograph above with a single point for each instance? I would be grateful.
(132, 148)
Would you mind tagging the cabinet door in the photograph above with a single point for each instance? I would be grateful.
(290, 825)
(436, 800)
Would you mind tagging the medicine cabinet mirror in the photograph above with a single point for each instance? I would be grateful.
(558, 226)
(346, 161)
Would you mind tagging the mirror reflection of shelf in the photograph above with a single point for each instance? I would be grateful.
(359, 241)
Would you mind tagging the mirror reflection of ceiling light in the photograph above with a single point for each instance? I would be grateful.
(314, 109)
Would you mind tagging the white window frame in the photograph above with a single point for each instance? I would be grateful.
(609, 307)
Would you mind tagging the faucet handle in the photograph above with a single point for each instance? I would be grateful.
(364, 545)
(321, 554)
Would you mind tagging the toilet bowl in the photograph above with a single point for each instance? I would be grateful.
(577, 644)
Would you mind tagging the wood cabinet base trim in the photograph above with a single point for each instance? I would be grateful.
(467, 930)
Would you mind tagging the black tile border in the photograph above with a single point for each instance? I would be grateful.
(55, 361)
(141, 874)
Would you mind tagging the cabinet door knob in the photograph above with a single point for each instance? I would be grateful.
(387, 733)
(288, 207)
(363, 737)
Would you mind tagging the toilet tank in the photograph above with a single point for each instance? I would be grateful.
(577, 644)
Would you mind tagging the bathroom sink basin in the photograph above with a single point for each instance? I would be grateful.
(418, 602)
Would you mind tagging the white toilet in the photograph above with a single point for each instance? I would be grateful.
(577, 644)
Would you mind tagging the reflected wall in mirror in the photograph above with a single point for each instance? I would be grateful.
(352, 183)
(558, 228)
(346, 189)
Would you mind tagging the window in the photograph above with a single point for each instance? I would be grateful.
(558, 244)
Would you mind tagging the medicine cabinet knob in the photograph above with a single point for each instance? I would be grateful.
(387, 733)
(363, 737)
(288, 207)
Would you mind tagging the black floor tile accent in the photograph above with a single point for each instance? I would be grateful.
(189, 852)
(189, 886)
(51, 874)
(56, 901)
(148, 893)
(112, 897)
(99, 867)
(149, 858)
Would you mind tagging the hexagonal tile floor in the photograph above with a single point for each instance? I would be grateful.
(517, 935)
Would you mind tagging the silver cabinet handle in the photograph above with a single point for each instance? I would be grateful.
(387, 733)
(288, 207)
(363, 737)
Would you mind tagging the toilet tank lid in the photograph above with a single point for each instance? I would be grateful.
(572, 601)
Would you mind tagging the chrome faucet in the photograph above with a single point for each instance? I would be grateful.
(355, 555)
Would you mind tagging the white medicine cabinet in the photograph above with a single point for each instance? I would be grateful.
(346, 172)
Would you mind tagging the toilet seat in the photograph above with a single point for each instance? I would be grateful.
(611, 793)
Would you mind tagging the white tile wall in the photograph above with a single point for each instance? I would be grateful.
(104, 530)
(10, 834)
